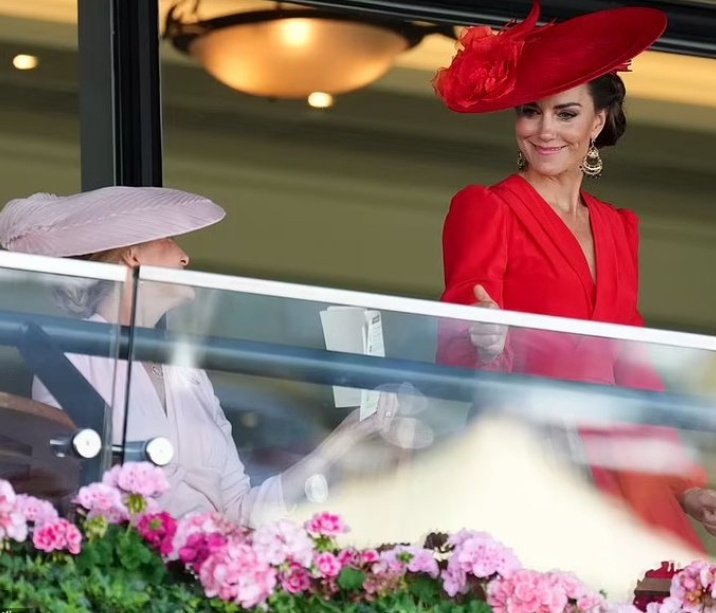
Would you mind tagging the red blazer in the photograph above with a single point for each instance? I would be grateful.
(510, 240)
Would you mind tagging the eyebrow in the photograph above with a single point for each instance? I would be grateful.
(556, 106)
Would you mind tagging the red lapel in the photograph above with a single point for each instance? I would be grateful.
(605, 252)
(553, 235)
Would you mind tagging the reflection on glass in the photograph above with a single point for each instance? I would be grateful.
(55, 427)
(179, 401)
(495, 450)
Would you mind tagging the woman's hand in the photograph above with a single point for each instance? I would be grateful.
(700, 503)
(488, 339)
(352, 429)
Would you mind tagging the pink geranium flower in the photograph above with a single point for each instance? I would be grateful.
(296, 580)
(369, 556)
(283, 541)
(349, 557)
(234, 573)
(58, 535)
(454, 581)
(158, 530)
(527, 591)
(578, 594)
(476, 554)
(13, 524)
(384, 576)
(102, 500)
(35, 510)
(389, 562)
(202, 523)
(199, 547)
(413, 559)
(326, 524)
(328, 565)
(138, 478)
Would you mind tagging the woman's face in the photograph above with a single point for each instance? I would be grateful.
(554, 133)
(167, 254)
(163, 252)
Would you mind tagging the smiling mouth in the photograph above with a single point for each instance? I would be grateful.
(548, 150)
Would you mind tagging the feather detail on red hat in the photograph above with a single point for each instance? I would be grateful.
(484, 67)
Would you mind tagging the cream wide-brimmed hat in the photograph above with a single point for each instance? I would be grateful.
(102, 219)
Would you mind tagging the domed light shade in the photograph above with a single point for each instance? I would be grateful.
(290, 53)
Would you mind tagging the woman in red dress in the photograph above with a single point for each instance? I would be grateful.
(537, 243)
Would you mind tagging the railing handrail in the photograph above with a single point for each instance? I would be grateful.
(416, 306)
(413, 306)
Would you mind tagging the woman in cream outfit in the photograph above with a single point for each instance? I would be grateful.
(134, 226)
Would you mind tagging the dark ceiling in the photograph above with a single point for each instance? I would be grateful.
(692, 23)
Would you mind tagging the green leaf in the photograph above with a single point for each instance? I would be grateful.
(479, 606)
(351, 579)
(424, 588)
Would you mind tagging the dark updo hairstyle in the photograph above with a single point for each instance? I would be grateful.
(608, 93)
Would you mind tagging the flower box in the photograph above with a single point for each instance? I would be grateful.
(121, 552)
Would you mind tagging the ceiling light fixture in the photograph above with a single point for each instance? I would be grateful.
(320, 100)
(289, 51)
(23, 61)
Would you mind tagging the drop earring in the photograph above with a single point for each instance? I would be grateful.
(521, 161)
(592, 164)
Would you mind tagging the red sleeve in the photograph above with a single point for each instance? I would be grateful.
(474, 252)
(474, 245)
(633, 369)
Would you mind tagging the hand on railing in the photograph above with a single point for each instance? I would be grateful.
(488, 339)
(700, 503)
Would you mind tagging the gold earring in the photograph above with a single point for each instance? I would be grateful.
(521, 161)
(592, 164)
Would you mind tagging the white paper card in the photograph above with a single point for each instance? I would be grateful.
(354, 330)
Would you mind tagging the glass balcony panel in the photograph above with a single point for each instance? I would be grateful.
(281, 400)
(55, 413)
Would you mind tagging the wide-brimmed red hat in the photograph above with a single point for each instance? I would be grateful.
(494, 71)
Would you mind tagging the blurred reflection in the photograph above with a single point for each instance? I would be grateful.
(410, 433)
(651, 468)
(36, 444)
(495, 477)
(643, 466)
(409, 429)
